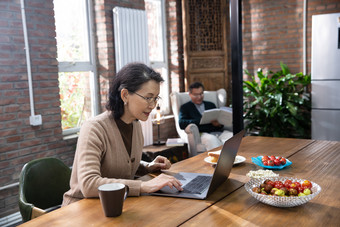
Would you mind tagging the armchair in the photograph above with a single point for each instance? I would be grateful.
(191, 134)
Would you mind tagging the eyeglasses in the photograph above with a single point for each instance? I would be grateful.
(198, 95)
(149, 100)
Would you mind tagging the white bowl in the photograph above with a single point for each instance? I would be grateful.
(281, 201)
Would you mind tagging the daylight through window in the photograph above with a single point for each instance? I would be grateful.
(77, 72)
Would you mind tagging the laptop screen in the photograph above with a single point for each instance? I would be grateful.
(226, 161)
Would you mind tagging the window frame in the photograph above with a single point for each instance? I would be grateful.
(165, 107)
(88, 66)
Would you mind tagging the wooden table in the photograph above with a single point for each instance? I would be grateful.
(318, 162)
(230, 204)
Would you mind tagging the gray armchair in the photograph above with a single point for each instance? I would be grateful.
(191, 134)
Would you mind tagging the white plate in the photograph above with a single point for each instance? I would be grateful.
(238, 159)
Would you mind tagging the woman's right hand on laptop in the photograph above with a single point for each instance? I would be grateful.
(159, 182)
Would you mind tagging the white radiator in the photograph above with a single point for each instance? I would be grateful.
(131, 45)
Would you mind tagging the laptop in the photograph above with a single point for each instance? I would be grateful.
(200, 185)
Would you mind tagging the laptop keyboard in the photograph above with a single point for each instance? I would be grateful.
(197, 185)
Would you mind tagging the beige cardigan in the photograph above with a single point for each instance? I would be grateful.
(101, 157)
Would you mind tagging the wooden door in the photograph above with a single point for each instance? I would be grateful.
(205, 46)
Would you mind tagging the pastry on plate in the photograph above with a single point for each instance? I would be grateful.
(214, 155)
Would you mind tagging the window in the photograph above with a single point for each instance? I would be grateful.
(155, 10)
(76, 63)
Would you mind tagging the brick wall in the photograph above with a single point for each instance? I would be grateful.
(273, 32)
(20, 142)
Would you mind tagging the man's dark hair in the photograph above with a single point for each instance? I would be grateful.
(131, 77)
(195, 85)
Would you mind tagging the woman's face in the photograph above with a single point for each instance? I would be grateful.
(138, 107)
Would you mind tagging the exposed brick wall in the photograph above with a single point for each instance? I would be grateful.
(272, 36)
(19, 141)
(273, 32)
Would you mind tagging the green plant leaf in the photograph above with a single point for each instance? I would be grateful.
(278, 104)
(285, 69)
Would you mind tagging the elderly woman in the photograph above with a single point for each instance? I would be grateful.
(109, 147)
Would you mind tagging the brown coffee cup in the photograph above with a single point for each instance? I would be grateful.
(112, 197)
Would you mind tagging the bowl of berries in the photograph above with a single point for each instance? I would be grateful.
(282, 191)
(271, 162)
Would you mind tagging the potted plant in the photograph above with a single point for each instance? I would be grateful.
(278, 104)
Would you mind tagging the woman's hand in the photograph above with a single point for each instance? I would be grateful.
(158, 163)
(159, 182)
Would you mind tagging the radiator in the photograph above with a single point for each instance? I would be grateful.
(131, 45)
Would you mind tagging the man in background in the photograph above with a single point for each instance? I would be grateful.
(212, 134)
